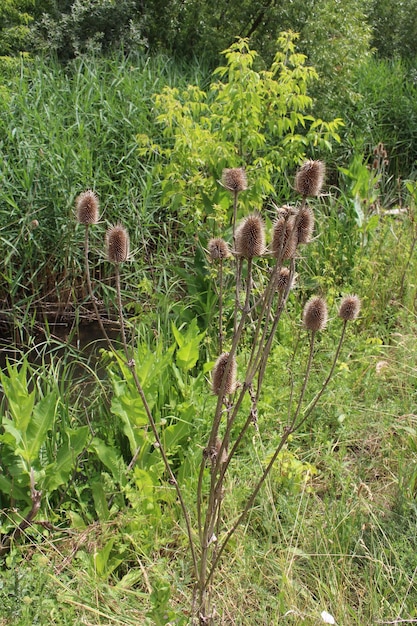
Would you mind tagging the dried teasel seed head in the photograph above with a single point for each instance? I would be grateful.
(315, 314)
(309, 178)
(278, 236)
(219, 370)
(218, 249)
(291, 239)
(250, 237)
(87, 208)
(305, 224)
(283, 279)
(284, 238)
(350, 308)
(234, 179)
(117, 244)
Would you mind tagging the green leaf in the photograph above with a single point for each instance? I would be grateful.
(188, 345)
(42, 420)
(110, 459)
(103, 564)
(100, 501)
(57, 473)
(12, 490)
(20, 401)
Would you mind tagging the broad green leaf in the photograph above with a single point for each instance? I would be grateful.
(57, 473)
(20, 401)
(12, 490)
(174, 433)
(12, 436)
(131, 429)
(110, 459)
(188, 345)
(100, 501)
(42, 420)
(103, 564)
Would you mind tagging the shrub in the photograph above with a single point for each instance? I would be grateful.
(257, 118)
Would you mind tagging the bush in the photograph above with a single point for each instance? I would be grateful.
(258, 119)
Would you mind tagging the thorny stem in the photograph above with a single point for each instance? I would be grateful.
(288, 430)
(249, 504)
(213, 493)
(158, 444)
(265, 347)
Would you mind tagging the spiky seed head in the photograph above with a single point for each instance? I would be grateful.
(34, 224)
(291, 239)
(278, 234)
(87, 208)
(234, 179)
(350, 308)
(218, 249)
(117, 244)
(250, 237)
(285, 211)
(309, 178)
(283, 279)
(284, 238)
(305, 224)
(219, 370)
(315, 314)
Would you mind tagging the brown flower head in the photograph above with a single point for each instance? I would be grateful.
(87, 207)
(305, 224)
(284, 238)
(315, 314)
(117, 244)
(250, 237)
(218, 249)
(218, 374)
(234, 179)
(309, 178)
(349, 308)
(283, 279)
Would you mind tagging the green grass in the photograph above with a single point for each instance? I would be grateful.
(64, 130)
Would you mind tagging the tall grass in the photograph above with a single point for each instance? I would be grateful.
(65, 129)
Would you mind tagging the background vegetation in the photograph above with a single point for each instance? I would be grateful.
(138, 102)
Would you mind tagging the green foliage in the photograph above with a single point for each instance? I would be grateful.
(92, 26)
(256, 119)
(174, 396)
(33, 450)
(385, 111)
(15, 19)
(394, 28)
(336, 38)
(42, 170)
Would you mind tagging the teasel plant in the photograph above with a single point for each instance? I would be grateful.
(260, 310)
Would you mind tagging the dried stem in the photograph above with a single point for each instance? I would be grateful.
(158, 444)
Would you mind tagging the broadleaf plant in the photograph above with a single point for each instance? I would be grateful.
(257, 118)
